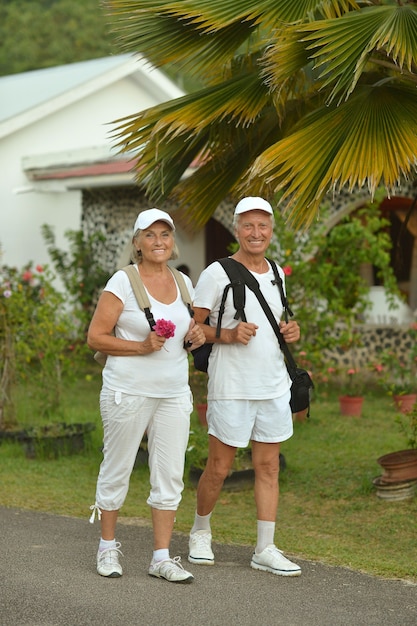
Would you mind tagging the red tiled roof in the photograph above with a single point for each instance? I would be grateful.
(95, 169)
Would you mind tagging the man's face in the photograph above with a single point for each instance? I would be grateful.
(254, 231)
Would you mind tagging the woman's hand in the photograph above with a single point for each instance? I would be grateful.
(195, 336)
(152, 343)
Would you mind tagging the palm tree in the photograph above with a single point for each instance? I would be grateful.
(300, 98)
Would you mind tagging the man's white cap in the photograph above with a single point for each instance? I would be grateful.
(148, 217)
(251, 204)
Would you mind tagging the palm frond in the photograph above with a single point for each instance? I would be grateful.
(231, 155)
(211, 15)
(343, 48)
(239, 100)
(201, 36)
(370, 139)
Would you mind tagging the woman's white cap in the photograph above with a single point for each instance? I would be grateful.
(251, 204)
(148, 217)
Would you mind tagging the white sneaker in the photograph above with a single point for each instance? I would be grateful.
(171, 570)
(108, 562)
(272, 560)
(200, 551)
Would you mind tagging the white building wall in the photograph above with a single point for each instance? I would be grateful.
(83, 124)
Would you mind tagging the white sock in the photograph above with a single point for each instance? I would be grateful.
(266, 531)
(106, 544)
(160, 555)
(201, 522)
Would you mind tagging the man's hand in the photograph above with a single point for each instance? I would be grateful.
(243, 333)
(290, 331)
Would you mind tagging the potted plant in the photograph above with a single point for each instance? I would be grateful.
(399, 477)
(351, 382)
(397, 373)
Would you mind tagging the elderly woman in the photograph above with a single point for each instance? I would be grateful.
(145, 389)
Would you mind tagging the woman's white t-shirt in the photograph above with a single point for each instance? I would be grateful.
(162, 374)
(254, 371)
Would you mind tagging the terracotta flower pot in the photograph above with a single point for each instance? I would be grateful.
(405, 403)
(351, 405)
(399, 466)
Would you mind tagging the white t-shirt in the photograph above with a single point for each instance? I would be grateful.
(256, 371)
(162, 374)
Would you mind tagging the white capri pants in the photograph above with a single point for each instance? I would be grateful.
(125, 419)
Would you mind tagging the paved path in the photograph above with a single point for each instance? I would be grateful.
(48, 578)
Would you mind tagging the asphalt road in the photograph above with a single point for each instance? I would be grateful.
(48, 578)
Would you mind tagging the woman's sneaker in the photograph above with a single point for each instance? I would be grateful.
(272, 560)
(108, 562)
(200, 551)
(171, 570)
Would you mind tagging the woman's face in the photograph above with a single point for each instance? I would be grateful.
(156, 243)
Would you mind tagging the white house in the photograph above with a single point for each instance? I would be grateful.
(56, 149)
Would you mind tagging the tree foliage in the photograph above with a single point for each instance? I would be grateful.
(45, 33)
(325, 284)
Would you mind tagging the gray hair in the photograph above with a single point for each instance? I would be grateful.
(136, 255)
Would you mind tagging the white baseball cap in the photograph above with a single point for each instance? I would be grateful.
(251, 204)
(148, 217)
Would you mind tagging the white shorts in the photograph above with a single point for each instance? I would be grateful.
(125, 420)
(236, 422)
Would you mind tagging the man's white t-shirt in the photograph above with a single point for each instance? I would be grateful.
(256, 371)
(161, 374)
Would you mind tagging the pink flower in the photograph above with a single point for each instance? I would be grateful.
(27, 276)
(164, 328)
(39, 268)
(287, 269)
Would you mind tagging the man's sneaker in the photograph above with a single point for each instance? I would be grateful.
(170, 569)
(200, 548)
(108, 562)
(272, 560)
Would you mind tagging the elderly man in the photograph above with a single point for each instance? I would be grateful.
(248, 389)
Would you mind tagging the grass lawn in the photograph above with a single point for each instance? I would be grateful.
(328, 508)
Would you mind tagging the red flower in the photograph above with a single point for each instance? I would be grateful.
(39, 269)
(287, 269)
(164, 328)
(27, 276)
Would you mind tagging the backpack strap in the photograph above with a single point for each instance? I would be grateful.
(140, 293)
(278, 282)
(249, 279)
(182, 286)
(142, 297)
(239, 296)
